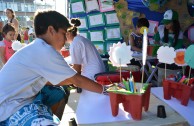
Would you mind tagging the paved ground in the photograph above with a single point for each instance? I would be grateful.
(70, 108)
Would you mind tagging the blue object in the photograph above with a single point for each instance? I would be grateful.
(131, 85)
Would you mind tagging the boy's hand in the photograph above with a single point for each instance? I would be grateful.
(104, 91)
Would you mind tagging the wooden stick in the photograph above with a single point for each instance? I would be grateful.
(189, 75)
(120, 70)
(142, 79)
(165, 71)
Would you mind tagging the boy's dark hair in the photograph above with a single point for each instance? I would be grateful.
(44, 19)
(143, 22)
(7, 28)
(76, 23)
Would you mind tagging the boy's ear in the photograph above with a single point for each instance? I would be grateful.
(51, 30)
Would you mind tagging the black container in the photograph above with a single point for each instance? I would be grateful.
(79, 90)
(161, 113)
(72, 122)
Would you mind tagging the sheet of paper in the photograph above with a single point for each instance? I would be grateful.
(96, 19)
(96, 36)
(113, 33)
(112, 18)
(186, 111)
(77, 7)
(95, 108)
(68, 59)
(106, 5)
(94, 6)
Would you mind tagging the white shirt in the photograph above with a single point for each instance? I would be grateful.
(161, 33)
(83, 52)
(25, 74)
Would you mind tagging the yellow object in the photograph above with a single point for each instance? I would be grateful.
(142, 29)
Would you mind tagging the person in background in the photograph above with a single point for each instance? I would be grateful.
(85, 58)
(1, 38)
(26, 37)
(31, 34)
(170, 33)
(35, 67)
(13, 21)
(6, 50)
(136, 38)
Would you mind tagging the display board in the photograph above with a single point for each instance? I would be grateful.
(99, 22)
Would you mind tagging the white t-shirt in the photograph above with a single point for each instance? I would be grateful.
(25, 74)
(161, 32)
(83, 52)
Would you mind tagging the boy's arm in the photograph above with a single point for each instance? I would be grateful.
(83, 82)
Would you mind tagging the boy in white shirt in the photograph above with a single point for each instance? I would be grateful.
(22, 78)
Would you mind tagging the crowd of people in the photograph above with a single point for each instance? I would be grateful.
(32, 77)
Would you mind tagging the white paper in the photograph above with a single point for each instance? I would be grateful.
(95, 108)
(106, 5)
(94, 6)
(96, 36)
(68, 60)
(96, 19)
(166, 54)
(112, 18)
(191, 34)
(77, 7)
(186, 111)
(83, 23)
(120, 54)
(113, 33)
